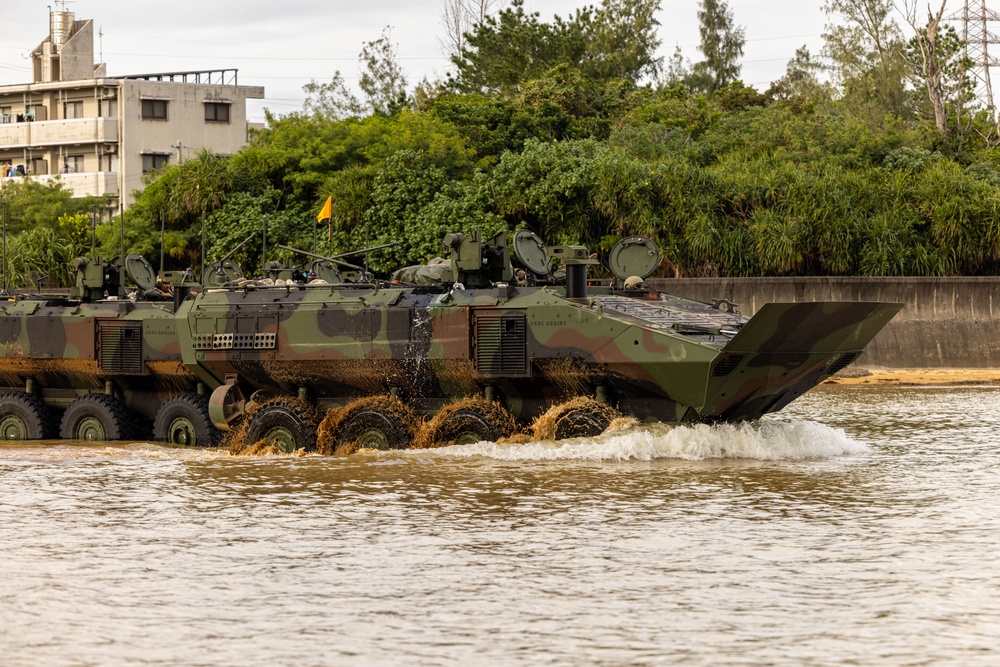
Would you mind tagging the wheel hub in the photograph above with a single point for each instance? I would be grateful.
(91, 429)
(13, 428)
(282, 438)
(182, 432)
(373, 438)
(468, 438)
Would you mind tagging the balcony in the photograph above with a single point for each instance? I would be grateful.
(41, 133)
(89, 184)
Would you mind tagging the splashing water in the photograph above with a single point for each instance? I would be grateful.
(771, 440)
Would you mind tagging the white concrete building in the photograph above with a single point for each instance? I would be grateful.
(100, 134)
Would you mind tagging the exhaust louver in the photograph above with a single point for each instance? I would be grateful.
(119, 347)
(501, 345)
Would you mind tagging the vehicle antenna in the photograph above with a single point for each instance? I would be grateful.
(121, 257)
(163, 234)
(202, 258)
(4, 292)
(93, 231)
(263, 253)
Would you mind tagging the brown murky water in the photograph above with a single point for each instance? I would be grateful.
(860, 527)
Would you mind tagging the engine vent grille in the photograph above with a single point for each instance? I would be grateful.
(119, 347)
(501, 345)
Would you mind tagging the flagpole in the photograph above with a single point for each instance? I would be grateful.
(326, 213)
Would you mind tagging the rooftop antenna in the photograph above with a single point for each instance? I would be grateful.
(100, 35)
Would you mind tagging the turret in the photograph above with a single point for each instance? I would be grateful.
(479, 263)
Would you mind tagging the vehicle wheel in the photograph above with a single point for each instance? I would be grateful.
(467, 422)
(579, 418)
(287, 424)
(375, 423)
(95, 417)
(24, 417)
(183, 420)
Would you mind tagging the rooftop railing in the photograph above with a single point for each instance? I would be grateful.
(215, 77)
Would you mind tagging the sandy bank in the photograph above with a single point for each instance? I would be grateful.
(921, 376)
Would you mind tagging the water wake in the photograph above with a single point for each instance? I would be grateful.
(770, 440)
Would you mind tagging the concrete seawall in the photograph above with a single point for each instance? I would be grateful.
(945, 323)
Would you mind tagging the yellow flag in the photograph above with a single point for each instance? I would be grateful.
(327, 211)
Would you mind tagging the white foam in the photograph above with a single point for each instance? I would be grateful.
(771, 440)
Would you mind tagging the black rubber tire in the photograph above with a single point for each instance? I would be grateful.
(183, 420)
(467, 422)
(96, 417)
(469, 425)
(25, 417)
(372, 428)
(285, 425)
(586, 421)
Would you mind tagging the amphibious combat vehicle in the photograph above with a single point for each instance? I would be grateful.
(477, 347)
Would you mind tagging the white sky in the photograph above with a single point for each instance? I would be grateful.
(282, 44)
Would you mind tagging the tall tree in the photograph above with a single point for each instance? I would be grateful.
(382, 82)
(460, 17)
(618, 40)
(801, 83)
(678, 69)
(515, 46)
(865, 47)
(333, 100)
(624, 41)
(722, 45)
(382, 79)
(936, 58)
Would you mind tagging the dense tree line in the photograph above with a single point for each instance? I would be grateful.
(577, 131)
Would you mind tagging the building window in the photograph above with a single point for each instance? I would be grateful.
(109, 162)
(108, 108)
(216, 112)
(151, 161)
(72, 164)
(72, 110)
(154, 110)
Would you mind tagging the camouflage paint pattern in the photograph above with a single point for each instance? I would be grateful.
(67, 349)
(655, 356)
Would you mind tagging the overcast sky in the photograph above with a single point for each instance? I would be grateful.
(282, 44)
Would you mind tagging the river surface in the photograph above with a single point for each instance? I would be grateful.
(858, 527)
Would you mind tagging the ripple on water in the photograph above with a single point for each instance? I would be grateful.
(858, 527)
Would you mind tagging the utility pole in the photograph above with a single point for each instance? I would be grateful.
(975, 17)
(179, 146)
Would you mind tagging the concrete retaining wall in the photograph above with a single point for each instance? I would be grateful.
(945, 323)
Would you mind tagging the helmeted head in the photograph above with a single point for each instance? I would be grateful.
(634, 282)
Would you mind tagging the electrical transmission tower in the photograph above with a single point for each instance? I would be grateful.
(975, 18)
